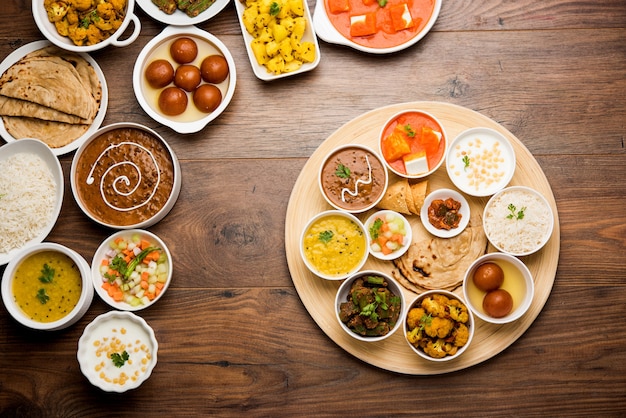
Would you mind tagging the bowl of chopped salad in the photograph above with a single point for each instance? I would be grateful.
(131, 269)
(389, 234)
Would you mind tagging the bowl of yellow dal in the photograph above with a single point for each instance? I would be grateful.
(47, 287)
(333, 245)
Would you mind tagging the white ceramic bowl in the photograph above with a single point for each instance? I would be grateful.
(470, 324)
(103, 337)
(443, 194)
(114, 180)
(18, 54)
(331, 243)
(192, 120)
(518, 281)
(41, 150)
(343, 296)
(108, 251)
(180, 18)
(480, 161)
(83, 302)
(327, 31)
(330, 166)
(518, 220)
(386, 215)
(48, 30)
(261, 71)
(420, 120)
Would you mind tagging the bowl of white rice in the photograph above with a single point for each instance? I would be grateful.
(31, 194)
(518, 220)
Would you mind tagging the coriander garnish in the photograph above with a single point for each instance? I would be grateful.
(342, 171)
(326, 236)
(119, 359)
(47, 274)
(42, 296)
(515, 214)
(274, 8)
(376, 228)
(466, 161)
(409, 131)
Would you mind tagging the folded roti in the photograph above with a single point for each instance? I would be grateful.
(54, 134)
(17, 107)
(441, 263)
(49, 81)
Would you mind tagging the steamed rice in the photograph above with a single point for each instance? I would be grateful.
(518, 236)
(27, 199)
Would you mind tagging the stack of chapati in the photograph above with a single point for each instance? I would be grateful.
(50, 94)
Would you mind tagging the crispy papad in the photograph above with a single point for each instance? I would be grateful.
(55, 134)
(49, 81)
(440, 263)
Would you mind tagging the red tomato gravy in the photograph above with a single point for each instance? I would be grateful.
(386, 36)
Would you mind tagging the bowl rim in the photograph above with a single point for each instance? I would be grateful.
(465, 211)
(545, 202)
(83, 303)
(165, 35)
(82, 350)
(320, 215)
(526, 274)
(504, 141)
(96, 277)
(408, 238)
(472, 322)
(343, 289)
(47, 29)
(444, 137)
(177, 174)
(53, 163)
(366, 149)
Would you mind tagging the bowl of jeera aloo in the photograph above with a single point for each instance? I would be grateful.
(86, 25)
(47, 287)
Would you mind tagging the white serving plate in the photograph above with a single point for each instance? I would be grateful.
(327, 32)
(18, 54)
(43, 151)
(177, 123)
(309, 36)
(180, 18)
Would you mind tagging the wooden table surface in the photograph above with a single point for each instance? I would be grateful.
(235, 338)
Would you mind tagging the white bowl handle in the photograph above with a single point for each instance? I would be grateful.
(132, 37)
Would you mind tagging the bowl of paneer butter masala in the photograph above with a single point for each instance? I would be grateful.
(86, 25)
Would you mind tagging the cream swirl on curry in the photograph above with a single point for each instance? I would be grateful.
(125, 176)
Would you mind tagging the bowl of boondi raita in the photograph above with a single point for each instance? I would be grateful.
(47, 287)
(334, 245)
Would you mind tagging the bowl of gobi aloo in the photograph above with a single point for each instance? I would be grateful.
(88, 25)
(47, 287)
(184, 78)
(438, 325)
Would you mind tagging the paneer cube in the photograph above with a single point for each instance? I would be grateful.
(416, 163)
(400, 16)
(363, 25)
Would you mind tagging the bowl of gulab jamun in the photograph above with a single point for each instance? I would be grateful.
(184, 78)
(498, 288)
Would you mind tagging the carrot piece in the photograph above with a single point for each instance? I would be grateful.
(118, 296)
(144, 244)
(145, 276)
(385, 250)
(150, 296)
(143, 284)
(399, 238)
(158, 290)
(118, 240)
(104, 262)
(159, 285)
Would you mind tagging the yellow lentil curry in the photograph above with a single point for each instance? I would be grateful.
(47, 286)
(334, 245)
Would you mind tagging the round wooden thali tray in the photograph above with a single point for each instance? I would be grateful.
(318, 295)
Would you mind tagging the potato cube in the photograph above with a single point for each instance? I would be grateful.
(280, 33)
(258, 48)
(292, 66)
(275, 65)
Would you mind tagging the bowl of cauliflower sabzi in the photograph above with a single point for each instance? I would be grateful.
(438, 325)
(86, 25)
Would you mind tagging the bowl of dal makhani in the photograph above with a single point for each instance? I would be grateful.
(125, 176)
(518, 220)
(47, 287)
(88, 25)
(369, 305)
(334, 245)
(353, 178)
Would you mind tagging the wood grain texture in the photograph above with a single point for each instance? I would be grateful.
(235, 337)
